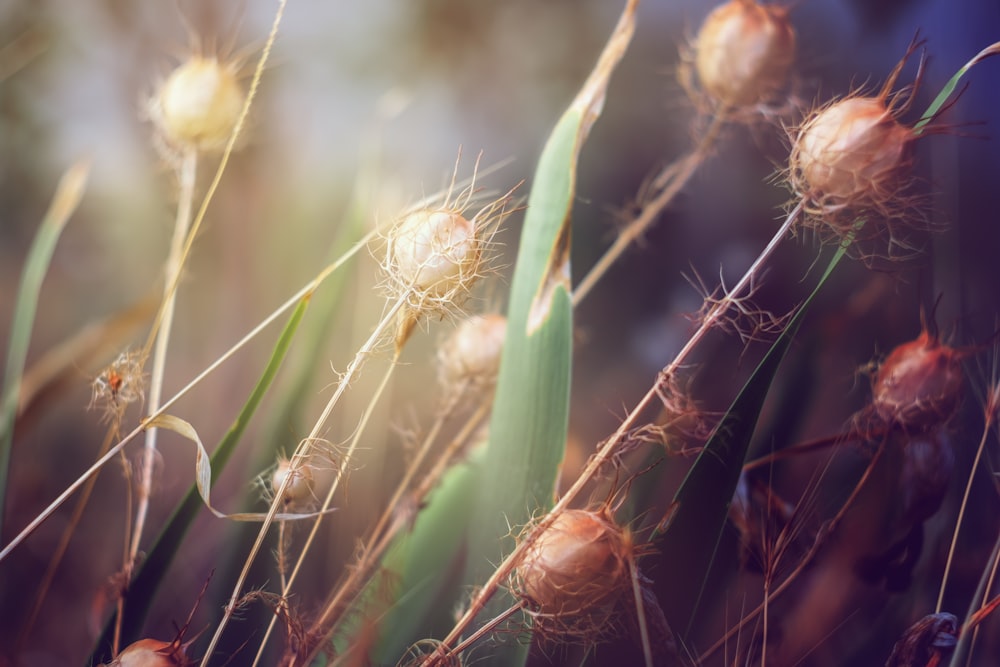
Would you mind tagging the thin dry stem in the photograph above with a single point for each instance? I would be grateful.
(188, 172)
(298, 459)
(608, 448)
(961, 510)
(328, 500)
(303, 293)
(669, 183)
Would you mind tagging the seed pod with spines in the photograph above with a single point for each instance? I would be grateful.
(743, 53)
(470, 357)
(919, 385)
(299, 488)
(198, 105)
(435, 254)
(575, 573)
(151, 653)
(851, 160)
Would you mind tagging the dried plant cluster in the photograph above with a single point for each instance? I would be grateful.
(745, 513)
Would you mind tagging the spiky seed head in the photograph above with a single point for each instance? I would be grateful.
(919, 385)
(299, 489)
(744, 52)
(577, 569)
(850, 154)
(151, 653)
(434, 252)
(470, 356)
(198, 105)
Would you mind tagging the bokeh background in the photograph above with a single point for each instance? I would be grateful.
(406, 84)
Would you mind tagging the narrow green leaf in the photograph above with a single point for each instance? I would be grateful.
(949, 88)
(531, 409)
(64, 203)
(151, 573)
(701, 504)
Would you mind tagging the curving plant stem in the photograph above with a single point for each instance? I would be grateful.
(666, 186)
(187, 173)
(607, 450)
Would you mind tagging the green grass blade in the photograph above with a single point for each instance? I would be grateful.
(531, 409)
(150, 575)
(949, 88)
(421, 564)
(701, 504)
(64, 203)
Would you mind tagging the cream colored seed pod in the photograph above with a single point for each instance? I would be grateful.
(434, 252)
(744, 51)
(578, 567)
(471, 354)
(299, 490)
(151, 653)
(199, 103)
(850, 153)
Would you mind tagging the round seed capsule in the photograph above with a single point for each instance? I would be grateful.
(434, 251)
(744, 51)
(199, 103)
(919, 385)
(471, 354)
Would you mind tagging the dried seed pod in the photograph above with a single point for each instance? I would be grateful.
(574, 573)
(151, 653)
(198, 105)
(919, 385)
(930, 640)
(852, 153)
(851, 161)
(434, 252)
(744, 51)
(470, 357)
(299, 489)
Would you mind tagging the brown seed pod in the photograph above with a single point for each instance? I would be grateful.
(919, 385)
(470, 356)
(852, 153)
(744, 52)
(575, 572)
(151, 653)
(198, 105)
(852, 160)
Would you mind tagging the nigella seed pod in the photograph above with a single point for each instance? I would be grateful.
(470, 357)
(573, 574)
(919, 385)
(744, 52)
(852, 153)
(198, 105)
(299, 488)
(151, 653)
(435, 251)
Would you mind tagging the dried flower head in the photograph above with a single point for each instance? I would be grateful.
(919, 385)
(574, 573)
(198, 105)
(435, 254)
(851, 160)
(119, 385)
(470, 356)
(743, 53)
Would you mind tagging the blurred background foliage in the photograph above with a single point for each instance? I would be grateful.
(412, 81)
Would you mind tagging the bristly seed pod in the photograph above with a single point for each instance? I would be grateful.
(434, 251)
(151, 653)
(852, 159)
(299, 489)
(919, 385)
(743, 52)
(575, 572)
(470, 356)
(198, 105)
